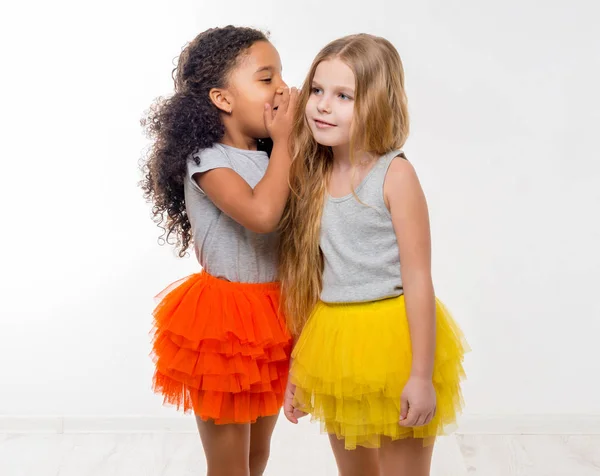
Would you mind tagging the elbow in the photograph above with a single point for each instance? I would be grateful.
(417, 280)
(266, 222)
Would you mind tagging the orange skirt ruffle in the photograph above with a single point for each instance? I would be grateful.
(221, 349)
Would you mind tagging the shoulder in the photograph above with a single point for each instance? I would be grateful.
(216, 152)
(400, 171)
(401, 181)
(400, 168)
(209, 158)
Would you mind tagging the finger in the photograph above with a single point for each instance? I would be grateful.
(288, 411)
(293, 104)
(294, 95)
(433, 413)
(403, 408)
(428, 418)
(411, 418)
(268, 114)
(291, 418)
(285, 101)
(420, 420)
(299, 413)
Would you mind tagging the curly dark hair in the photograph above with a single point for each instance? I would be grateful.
(188, 121)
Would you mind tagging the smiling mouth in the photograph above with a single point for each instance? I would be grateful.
(323, 124)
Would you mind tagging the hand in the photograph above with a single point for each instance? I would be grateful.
(279, 123)
(417, 403)
(290, 412)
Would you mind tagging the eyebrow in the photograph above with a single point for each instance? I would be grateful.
(266, 68)
(339, 88)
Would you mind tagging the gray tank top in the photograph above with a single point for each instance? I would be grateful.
(360, 250)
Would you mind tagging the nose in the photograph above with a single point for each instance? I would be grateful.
(281, 86)
(323, 105)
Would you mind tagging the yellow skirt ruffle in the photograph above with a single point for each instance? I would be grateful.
(352, 361)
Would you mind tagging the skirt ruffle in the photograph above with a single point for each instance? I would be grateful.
(221, 349)
(352, 362)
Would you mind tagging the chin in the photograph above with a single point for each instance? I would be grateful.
(323, 139)
(261, 135)
(326, 143)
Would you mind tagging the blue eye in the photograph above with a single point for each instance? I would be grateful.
(316, 90)
(344, 97)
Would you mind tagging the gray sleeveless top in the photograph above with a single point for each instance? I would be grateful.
(358, 242)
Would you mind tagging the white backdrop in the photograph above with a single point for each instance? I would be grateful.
(505, 116)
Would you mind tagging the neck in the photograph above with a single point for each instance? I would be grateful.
(237, 139)
(341, 157)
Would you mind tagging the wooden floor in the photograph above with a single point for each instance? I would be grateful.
(299, 451)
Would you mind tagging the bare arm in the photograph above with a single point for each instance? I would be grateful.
(410, 218)
(257, 209)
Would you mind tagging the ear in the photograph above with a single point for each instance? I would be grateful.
(222, 99)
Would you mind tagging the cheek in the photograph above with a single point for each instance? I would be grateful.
(259, 98)
(267, 95)
(348, 115)
(256, 97)
(309, 107)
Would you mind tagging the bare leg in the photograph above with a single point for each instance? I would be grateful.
(260, 444)
(358, 462)
(226, 447)
(407, 457)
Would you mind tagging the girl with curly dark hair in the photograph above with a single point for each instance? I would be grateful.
(221, 346)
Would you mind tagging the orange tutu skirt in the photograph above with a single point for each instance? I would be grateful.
(221, 349)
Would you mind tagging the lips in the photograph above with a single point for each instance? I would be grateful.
(323, 124)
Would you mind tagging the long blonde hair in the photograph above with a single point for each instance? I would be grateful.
(380, 124)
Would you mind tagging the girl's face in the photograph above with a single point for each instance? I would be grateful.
(330, 107)
(255, 81)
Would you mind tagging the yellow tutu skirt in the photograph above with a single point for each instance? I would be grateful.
(352, 361)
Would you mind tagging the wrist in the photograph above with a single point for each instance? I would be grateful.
(280, 142)
(421, 374)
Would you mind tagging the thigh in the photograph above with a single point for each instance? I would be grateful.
(226, 447)
(358, 462)
(405, 457)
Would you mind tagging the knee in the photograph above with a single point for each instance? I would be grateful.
(372, 470)
(258, 460)
(228, 470)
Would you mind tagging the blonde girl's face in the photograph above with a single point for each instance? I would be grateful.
(330, 107)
